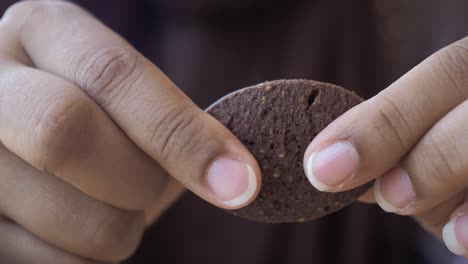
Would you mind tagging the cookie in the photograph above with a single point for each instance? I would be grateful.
(276, 121)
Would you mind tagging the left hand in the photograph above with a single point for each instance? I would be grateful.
(412, 138)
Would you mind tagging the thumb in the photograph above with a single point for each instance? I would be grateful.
(203, 155)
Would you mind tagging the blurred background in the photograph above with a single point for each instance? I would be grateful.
(211, 47)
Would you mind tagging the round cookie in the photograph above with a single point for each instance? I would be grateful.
(276, 121)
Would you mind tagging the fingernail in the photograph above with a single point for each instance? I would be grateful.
(394, 191)
(455, 235)
(331, 167)
(233, 181)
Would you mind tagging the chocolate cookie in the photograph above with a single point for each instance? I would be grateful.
(276, 121)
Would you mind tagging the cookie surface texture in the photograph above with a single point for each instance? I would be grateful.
(276, 121)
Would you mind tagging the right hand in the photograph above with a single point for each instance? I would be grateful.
(95, 140)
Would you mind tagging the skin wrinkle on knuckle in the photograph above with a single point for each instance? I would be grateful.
(393, 122)
(107, 73)
(453, 67)
(61, 127)
(439, 163)
(173, 133)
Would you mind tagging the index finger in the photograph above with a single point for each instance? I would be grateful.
(191, 145)
(372, 137)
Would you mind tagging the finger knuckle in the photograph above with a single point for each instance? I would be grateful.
(112, 234)
(105, 73)
(31, 7)
(61, 131)
(446, 161)
(393, 124)
(27, 5)
(453, 66)
(174, 132)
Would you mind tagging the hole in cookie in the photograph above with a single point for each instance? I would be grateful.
(248, 142)
(264, 113)
(313, 97)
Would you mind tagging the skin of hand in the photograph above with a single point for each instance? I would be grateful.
(412, 138)
(96, 142)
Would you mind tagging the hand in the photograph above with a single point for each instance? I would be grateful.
(412, 138)
(96, 140)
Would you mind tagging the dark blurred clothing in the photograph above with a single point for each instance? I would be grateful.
(213, 47)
